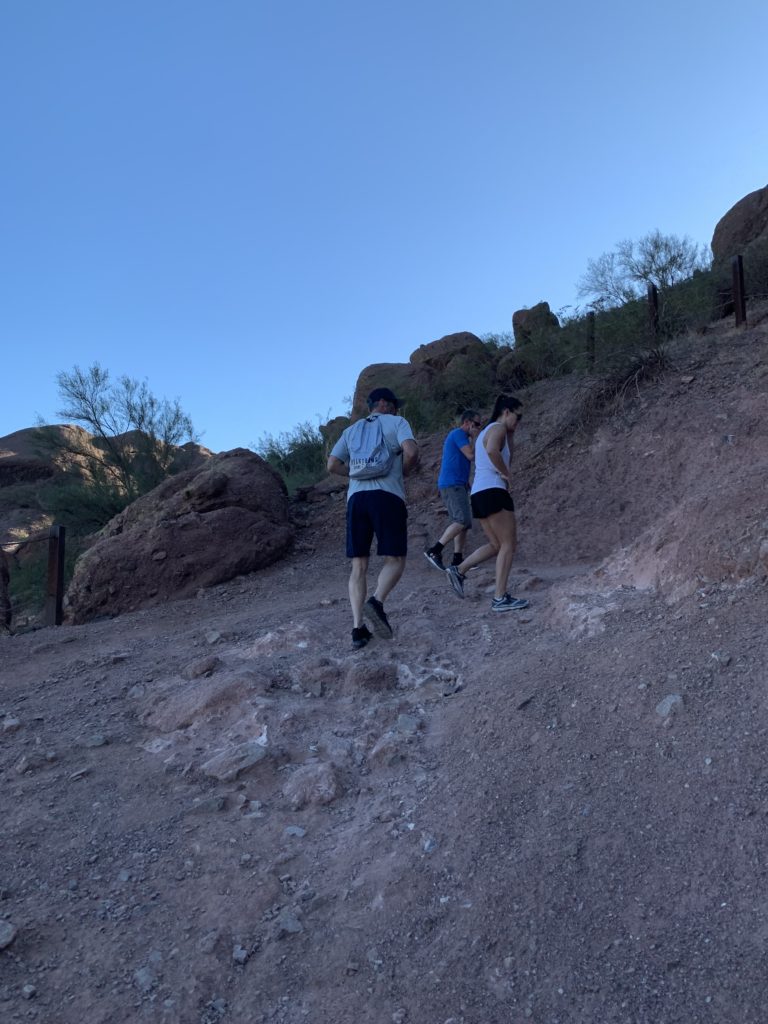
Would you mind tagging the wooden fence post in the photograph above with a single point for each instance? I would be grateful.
(591, 338)
(54, 592)
(653, 308)
(739, 296)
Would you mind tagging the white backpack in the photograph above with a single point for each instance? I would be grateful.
(369, 455)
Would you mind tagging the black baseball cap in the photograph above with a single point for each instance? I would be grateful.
(384, 393)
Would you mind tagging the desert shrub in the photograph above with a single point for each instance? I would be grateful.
(298, 455)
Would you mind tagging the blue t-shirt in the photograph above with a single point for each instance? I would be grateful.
(454, 469)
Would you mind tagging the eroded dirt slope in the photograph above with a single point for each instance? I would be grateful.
(217, 811)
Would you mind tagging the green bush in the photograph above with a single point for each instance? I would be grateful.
(298, 455)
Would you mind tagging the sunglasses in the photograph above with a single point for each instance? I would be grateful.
(476, 424)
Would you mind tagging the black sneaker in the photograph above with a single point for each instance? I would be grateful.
(457, 579)
(373, 610)
(360, 636)
(434, 559)
(508, 604)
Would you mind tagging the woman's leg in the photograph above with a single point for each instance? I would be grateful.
(482, 554)
(503, 526)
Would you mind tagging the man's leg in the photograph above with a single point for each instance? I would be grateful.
(390, 573)
(452, 532)
(358, 589)
(458, 546)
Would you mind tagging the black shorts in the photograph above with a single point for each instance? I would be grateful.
(380, 513)
(487, 503)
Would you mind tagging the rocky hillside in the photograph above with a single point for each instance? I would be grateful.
(215, 810)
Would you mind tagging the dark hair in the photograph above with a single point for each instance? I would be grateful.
(469, 414)
(504, 402)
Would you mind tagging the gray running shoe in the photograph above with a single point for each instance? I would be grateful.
(508, 604)
(457, 579)
(434, 559)
(373, 610)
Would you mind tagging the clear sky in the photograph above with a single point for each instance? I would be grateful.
(248, 201)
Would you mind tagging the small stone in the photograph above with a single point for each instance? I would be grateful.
(672, 702)
(212, 636)
(208, 805)
(207, 943)
(313, 784)
(159, 556)
(240, 954)
(288, 923)
(408, 725)
(295, 831)
(95, 740)
(7, 934)
(229, 764)
(28, 991)
(144, 979)
(721, 657)
(398, 1017)
(11, 724)
(124, 876)
(430, 844)
(203, 667)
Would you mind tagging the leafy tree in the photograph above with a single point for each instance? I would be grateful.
(129, 448)
(622, 275)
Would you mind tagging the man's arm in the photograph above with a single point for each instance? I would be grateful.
(410, 457)
(468, 451)
(336, 466)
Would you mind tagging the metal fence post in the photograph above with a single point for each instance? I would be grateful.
(739, 296)
(591, 338)
(54, 591)
(653, 307)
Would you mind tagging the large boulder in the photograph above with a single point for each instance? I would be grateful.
(742, 224)
(530, 324)
(198, 528)
(438, 354)
(408, 380)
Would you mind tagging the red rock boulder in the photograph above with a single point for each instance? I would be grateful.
(743, 224)
(198, 528)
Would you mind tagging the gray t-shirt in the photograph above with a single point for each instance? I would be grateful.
(396, 430)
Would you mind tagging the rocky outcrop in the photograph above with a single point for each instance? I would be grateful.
(198, 528)
(455, 370)
(743, 224)
(438, 354)
(407, 380)
(528, 324)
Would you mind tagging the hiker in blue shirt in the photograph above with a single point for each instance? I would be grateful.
(375, 505)
(453, 483)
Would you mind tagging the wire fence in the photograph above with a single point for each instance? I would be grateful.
(51, 595)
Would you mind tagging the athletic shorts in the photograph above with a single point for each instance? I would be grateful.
(487, 503)
(376, 513)
(456, 500)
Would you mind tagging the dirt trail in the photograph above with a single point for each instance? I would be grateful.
(215, 810)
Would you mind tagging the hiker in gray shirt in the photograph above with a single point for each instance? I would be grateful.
(375, 453)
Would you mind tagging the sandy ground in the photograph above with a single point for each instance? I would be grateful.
(216, 810)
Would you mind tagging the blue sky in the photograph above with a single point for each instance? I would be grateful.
(247, 202)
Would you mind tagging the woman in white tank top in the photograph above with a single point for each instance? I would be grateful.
(492, 504)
